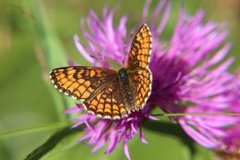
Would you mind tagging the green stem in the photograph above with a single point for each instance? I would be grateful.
(10, 134)
(52, 142)
(196, 114)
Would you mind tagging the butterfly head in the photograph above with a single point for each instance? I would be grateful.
(122, 74)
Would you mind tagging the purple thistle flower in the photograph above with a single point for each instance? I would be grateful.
(190, 68)
(230, 142)
(193, 70)
(206, 82)
(108, 43)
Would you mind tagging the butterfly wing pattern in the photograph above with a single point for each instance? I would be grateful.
(80, 82)
(96, 88)
(138, 61)
(108, 103)
(141, 48)
(108, 93)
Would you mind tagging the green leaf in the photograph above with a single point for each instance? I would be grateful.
(52, 142)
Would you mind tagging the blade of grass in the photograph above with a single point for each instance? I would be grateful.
(52, 50)
(19, 132)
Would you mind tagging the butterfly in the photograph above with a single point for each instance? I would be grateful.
(108, 93)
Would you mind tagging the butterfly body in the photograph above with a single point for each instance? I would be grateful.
(123, 75)
(127, 92)
(108, 93)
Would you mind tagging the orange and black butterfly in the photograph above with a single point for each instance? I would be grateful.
(108, 93)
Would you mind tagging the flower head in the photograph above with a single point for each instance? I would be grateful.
(190, 68)
(108, 43)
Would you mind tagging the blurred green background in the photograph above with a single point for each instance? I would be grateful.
(31, 110)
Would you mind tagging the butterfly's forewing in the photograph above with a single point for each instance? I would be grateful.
(140, 75)
(81, 82)
(139, 55)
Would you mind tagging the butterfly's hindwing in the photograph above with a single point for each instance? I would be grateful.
(108, 103)
(141, 86)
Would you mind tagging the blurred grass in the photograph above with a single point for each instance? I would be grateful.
(27, 99)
